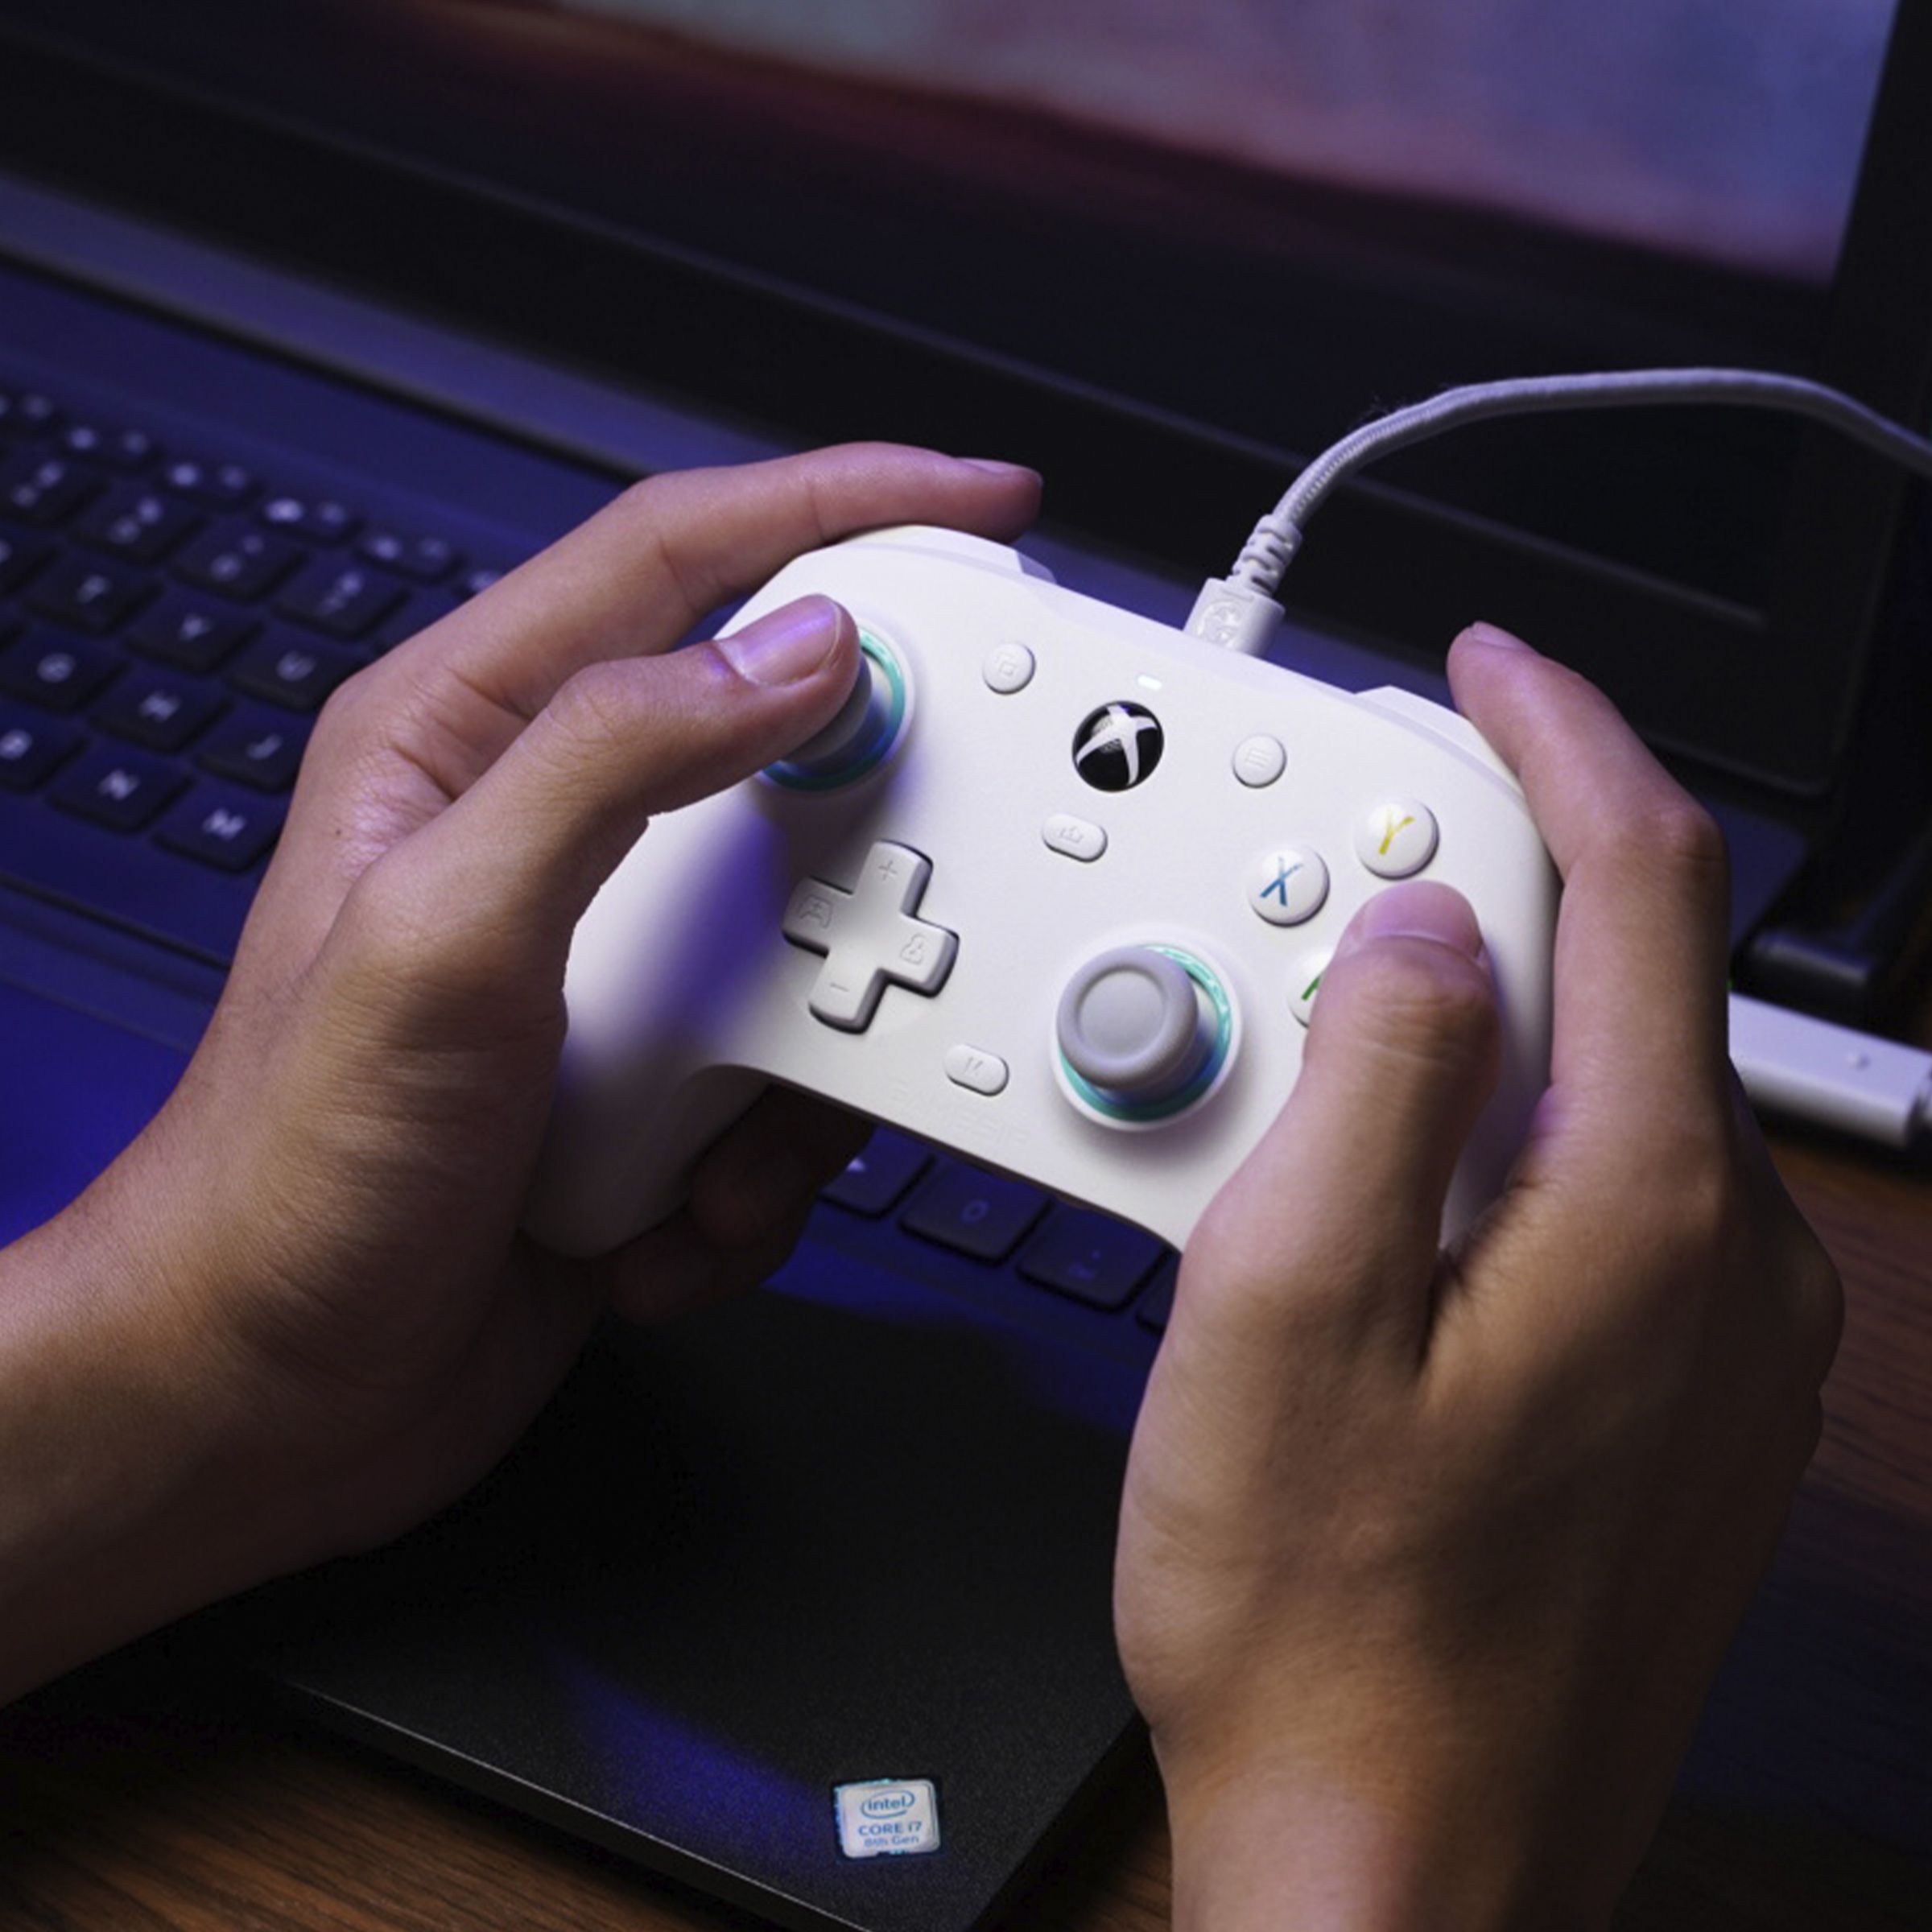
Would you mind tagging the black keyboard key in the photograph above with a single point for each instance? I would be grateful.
(219, 485)
(874, 1181)
(89, 594)
(420, 610)
(38, 489)
(1157, 1304)
(55, 670)
(121, 790)
(298, 672)
(19, 558)
(189, 631)
(157, 710)
(320, 519)
(1090, 1256)
(141, 524)
(221, 828)
(239, 560)
(428, 559)
(973, 1212)
(131, 881)
(27, 413)
(473, 583)
(260, 748)
(346, 600)
(31, 747)
(128, 449)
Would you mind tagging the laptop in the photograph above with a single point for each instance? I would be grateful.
(313, 319)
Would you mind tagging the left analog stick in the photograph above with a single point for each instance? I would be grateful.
(862, 731)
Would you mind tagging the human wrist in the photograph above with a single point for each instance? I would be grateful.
(127, 1493)
(1268, 1840)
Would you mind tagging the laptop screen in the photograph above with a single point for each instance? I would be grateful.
(1250, 222)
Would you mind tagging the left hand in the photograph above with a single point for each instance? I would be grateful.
(317, 1241)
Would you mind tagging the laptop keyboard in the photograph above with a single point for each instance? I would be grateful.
(171, 622)
(170, 625)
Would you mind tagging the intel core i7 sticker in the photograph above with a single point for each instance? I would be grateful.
(887, 1815)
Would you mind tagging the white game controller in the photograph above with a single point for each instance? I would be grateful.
(1055, 889)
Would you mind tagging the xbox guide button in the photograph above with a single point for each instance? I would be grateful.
(1118, 746)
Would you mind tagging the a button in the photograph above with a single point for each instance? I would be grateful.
(1078, 838)
(862, 733)
(1306, 982)
(1259, 760)
(972, 1067)
(1287, 885)
(870, 936)
(1009, 667)
(1142, 1031)
(1396, 838)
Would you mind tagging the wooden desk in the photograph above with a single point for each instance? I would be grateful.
(129, 1803)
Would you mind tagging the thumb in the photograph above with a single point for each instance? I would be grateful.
(520, 855)
(1344, 1194)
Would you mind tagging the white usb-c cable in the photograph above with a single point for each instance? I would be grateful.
(1240, 610)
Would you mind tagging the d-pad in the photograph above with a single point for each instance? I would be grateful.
(870, 936)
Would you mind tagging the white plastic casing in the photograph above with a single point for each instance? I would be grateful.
(685, 998)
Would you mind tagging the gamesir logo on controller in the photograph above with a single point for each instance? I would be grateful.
(1118, 746)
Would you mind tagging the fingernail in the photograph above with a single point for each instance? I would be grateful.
(788, 645)
(994, 467)
(1420, 910)
(1491, 634)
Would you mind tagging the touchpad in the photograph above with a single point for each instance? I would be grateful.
(77, 1090)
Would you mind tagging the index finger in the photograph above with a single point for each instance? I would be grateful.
(639, 574)
(1642, 938)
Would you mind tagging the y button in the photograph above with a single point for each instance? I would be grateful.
(1396, 838)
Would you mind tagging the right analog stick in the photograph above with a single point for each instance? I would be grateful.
(1142, 1030)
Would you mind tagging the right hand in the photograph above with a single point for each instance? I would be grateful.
(1427, 1559)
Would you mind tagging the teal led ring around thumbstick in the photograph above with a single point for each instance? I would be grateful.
(862, 734)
